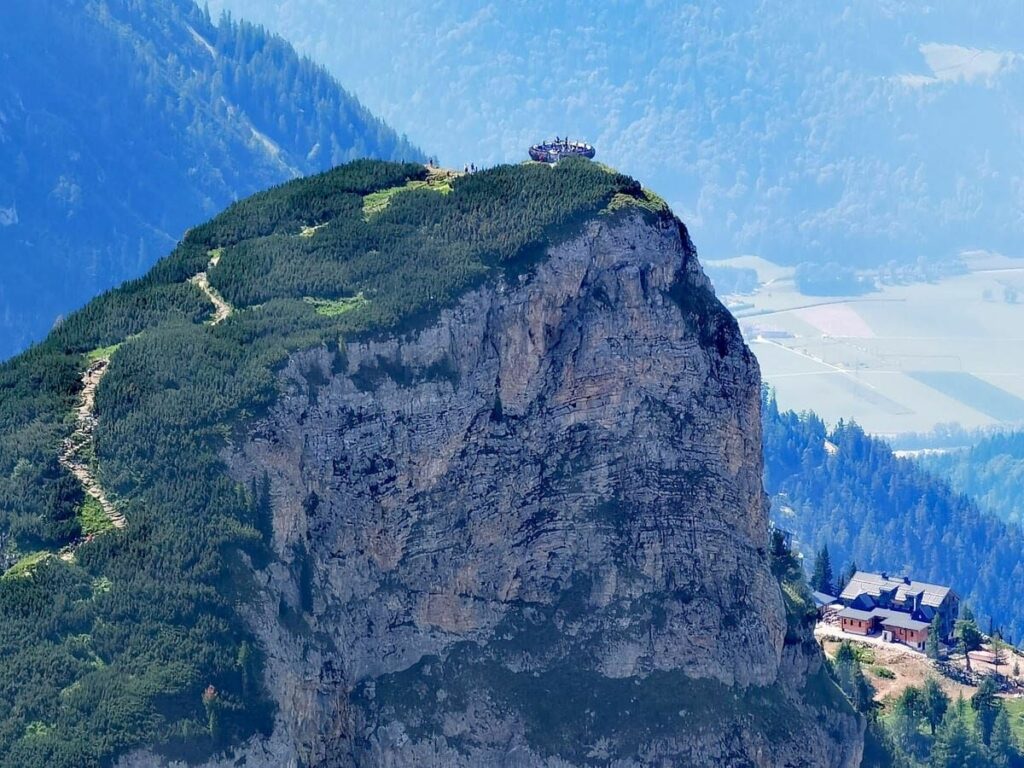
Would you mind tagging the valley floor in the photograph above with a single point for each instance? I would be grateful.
(901, 359)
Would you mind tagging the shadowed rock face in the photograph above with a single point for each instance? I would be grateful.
(534, 533)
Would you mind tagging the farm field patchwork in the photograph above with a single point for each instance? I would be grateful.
(981, 395)
(902, 359)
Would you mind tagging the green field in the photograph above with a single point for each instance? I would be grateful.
(1015, 708)
(902, 359)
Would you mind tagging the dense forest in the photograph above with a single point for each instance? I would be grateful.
(923, 726)
(831, 280)
(122, 122)
(889, 514)
(991, 472)
(136, 637)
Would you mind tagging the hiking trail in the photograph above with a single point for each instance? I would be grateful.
(222, 310)
(77, 451)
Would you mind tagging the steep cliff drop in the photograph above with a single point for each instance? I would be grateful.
(534, 533)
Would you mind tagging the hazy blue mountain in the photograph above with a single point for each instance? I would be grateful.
(860, 131)
(992, 472)
(122, 122)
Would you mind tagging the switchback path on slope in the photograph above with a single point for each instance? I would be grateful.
(76, 453)
(221, 309)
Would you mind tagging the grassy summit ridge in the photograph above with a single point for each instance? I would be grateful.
(139, 639)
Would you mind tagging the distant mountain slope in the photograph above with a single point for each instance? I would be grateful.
(887, 513)
(856, 132)
(992, 473)
(124, 121)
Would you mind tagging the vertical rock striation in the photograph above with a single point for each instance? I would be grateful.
(534, 533)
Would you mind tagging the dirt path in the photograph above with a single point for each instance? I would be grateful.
(221, 309)
(76, 453)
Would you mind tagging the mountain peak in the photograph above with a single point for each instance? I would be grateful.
(393, 429)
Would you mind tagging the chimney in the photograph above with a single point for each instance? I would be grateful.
(885, 575)
(906, 580)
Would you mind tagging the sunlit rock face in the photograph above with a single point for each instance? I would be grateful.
(533, 533)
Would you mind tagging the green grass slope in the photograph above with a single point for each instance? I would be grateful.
(138, 639)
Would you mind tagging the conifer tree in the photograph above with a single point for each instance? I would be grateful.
(907, 712)
(998, 651)
(934, 703)
(245, 666)
(845, 575)
(850, 677)
(967, 632)
(1002, 747)
(845, 652)
(863, 693)
(931, 645)
(821, 580)
(987, 706)
(956, 744)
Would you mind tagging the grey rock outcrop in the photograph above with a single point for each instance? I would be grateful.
(534, 533)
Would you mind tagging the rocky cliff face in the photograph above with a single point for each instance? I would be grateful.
(535, 534)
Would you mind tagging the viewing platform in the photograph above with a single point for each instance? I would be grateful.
(553, 151)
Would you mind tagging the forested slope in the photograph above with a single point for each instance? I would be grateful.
(991, 472)
(122, 122)
(138, 638)
(889, 514)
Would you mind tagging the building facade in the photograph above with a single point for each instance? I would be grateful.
(899, 608)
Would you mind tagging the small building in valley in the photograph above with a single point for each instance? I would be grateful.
(899, 608)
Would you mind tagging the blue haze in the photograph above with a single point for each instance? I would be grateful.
(858, 132)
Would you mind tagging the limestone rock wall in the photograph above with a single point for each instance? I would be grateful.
(533, 534)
